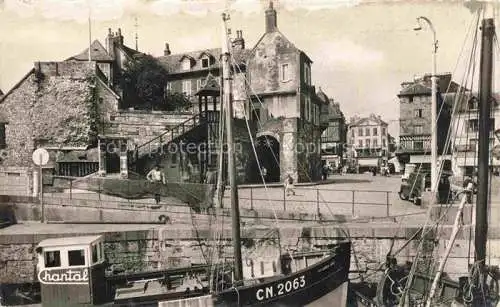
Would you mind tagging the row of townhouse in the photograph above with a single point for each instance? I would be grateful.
(457, 125)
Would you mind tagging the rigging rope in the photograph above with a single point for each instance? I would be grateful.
(257, 158)
(420, 246)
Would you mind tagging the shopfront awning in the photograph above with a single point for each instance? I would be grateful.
(368, 162)
(420, 159)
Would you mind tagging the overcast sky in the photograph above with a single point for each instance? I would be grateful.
(361, 50)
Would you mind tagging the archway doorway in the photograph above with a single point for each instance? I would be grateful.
(268, 153)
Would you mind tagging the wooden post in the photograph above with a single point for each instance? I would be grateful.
(41, 191)
(387, 202)
(71, 189)
(284, 200)
(136, 159)
(485, 83)
(235, 212)
(251, 198)
(449, 246)
(317, 200)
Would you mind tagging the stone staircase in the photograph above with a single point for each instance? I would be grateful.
(158, 144)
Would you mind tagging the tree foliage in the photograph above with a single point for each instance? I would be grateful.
(144, 83)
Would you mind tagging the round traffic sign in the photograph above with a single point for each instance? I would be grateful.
(40, 156)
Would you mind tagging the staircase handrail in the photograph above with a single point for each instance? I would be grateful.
(169, 130)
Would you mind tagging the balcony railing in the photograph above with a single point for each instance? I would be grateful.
(415, 143)
(371, 152)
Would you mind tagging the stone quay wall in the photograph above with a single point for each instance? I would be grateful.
(172, 246)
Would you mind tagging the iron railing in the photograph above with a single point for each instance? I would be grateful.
(172, 133)
(308, 200)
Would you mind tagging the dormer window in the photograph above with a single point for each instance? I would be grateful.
(186, 64)
(206, 59)
(205, 62)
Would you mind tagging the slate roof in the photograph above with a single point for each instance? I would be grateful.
(129, 51)
(97, 53)
(334, 110)
(423, 86)
(173, 62)
(372, 117)
(322, 96)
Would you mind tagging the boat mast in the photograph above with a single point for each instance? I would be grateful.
(235, 211)
(485, 85)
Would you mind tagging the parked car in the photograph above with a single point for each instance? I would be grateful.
(417, 182)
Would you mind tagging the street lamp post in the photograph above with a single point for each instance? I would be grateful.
(434, 154)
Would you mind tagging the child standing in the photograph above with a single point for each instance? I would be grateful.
(289, 185)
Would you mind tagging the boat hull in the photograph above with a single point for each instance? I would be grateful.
(298, 289)
(325, 282)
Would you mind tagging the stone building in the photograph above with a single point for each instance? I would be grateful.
(59, 106)
(415, 118)
(369, 139)
(333, 139)
(465, 135)
(283, 102)
(272, 89)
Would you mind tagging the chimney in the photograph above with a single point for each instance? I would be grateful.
(167, 50)
(271, 19)
(239, 42)
(120, 36)
(109, 42)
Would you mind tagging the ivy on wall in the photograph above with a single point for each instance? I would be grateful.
(92, 104)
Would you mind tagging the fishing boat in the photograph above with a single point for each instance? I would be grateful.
(72, 270)
(409, 284)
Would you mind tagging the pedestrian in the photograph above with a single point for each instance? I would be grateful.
(211, 180)
(289, 185)
(469, 188)
(325, 172)
(157, 177)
